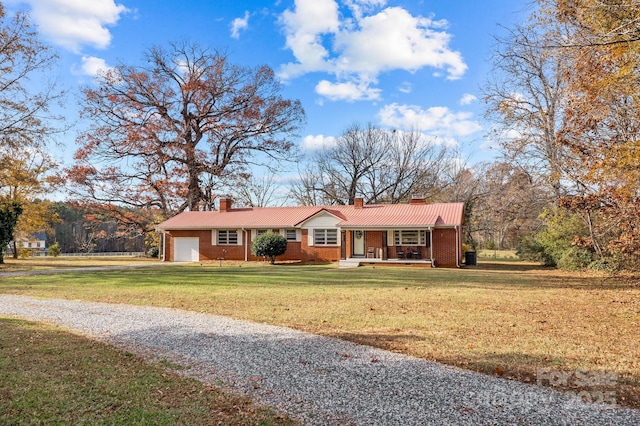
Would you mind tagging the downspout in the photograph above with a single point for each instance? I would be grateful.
(433, 263)
(164, 245)
(246, 245)
(457, 247)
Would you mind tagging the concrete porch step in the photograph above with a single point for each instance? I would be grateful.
(349, 263)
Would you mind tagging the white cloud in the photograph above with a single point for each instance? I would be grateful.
(394, 39)
(360, 7)
(347, 91)
(358, 49)
(239, 24)
(304, 29)
(405, 87)
(314, 142)
(447, 125)
(92, 66)
(468, 99)
(75, 23)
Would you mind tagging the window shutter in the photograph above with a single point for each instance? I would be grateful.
(240, 236)
(254, 232)
(390, 240)
(310, 238)
(214, 237)
(298, 234)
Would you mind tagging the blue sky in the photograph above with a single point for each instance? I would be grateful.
(397, 64)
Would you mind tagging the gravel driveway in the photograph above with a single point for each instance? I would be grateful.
(317, 380)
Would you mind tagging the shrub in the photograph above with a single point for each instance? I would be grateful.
(154, 252)
(24, 253)
(562, 241)
(533, 250)
(54, 250)
(608, 265)
(269, 245)
(575, 259)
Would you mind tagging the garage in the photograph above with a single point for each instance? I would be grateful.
(186, 249)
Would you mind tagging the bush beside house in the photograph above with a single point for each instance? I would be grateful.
(269, 245)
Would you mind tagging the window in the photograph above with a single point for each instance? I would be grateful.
(409, 237)
(227, 237)
(291, 235)
(260, 232)
(325, 237)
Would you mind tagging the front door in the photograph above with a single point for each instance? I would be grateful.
(358, 243)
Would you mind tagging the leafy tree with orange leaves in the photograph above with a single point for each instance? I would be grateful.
(164, 135)
(569, 103)
(25, 179)
(603, 116)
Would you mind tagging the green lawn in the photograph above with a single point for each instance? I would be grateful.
(507, 318)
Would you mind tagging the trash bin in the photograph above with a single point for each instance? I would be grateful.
(470, 258)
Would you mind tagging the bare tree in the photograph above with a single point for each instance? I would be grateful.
(25, 116)
(306, 190)
(343, 167)
(508, 205)
(526, 99)
(379, 165)
(412, 166)
(251, 191)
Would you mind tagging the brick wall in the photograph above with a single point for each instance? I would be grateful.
(444, 248)
(298, 250)
(318, 253)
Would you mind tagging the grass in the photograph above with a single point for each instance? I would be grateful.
(48, 376)
(498, 255)
(504, 318)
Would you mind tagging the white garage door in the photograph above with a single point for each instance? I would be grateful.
(185, 249)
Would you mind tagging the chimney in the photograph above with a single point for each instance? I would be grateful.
(417, 201)
(225, 204)
(358, 203)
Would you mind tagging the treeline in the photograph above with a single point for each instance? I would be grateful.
(187, 126)
(564, 102)
(77, 229)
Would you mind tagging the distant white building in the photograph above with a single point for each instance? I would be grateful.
(37, 243)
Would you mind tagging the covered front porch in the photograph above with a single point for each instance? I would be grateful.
(355, 262)
(386, 247)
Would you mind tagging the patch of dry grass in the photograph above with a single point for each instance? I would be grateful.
(503, 318)
(41, 263)
(48, 376)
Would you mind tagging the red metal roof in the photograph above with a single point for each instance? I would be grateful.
(374, 216)
(384, 215)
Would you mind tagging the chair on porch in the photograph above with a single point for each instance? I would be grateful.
(416, 253)
(400, 253)
(371, 254)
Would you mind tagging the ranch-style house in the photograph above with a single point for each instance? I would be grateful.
(417, 233)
